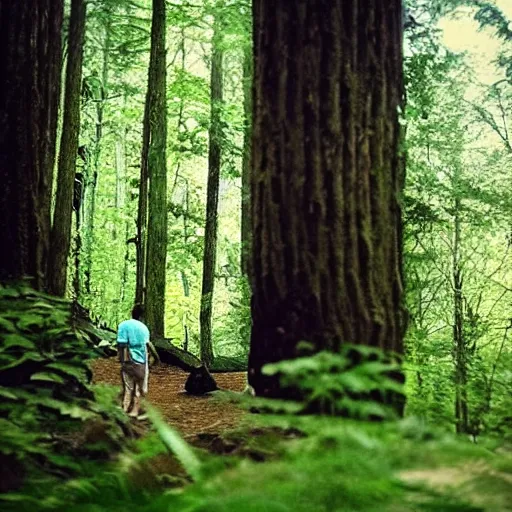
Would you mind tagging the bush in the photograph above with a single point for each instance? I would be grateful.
(48, 409)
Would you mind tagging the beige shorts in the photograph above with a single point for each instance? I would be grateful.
(134, 384)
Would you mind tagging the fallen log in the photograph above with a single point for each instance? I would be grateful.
(101, 338)
(222, 364)
(171, 354)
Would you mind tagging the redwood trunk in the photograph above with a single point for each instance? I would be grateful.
(61, 230)
(326, 179)
(30, 74)
(157, 174)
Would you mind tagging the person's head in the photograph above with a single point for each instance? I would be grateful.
(138, 311)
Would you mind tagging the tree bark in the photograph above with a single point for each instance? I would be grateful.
(212, 198)
(142, 212)
(61, 230)
(30, 76)
(246, 165)
(157, 173)
(326, 179)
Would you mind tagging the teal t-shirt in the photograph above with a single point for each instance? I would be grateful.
(136, 335)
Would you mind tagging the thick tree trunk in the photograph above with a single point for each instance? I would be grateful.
(326, 179)
(212, 199)
(61, 230)
(246, 165)
(30, 75)
(157, 173)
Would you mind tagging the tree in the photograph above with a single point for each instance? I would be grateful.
(30, 74)
(157, 174)
(456, 197)
(212, 197)
(142, 211)
(61, 229)
(327, 179)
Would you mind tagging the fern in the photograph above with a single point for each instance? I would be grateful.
(356, 382)
(44, 383)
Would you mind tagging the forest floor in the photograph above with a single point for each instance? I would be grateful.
(189, 414)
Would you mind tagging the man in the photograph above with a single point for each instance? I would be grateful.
(132, 342)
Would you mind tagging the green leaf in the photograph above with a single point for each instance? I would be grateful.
(7, 324)
(29, 320)
(376, 367)
(31, 356)
(49, 377)
(74, 370)
(353, 382)
(66, 409)
(16, 340)
(19, 498)
(7, 393)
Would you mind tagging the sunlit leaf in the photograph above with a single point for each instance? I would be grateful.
(49, 377)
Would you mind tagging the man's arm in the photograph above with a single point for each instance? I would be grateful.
(122, 352)
(122, 345)
(153, 351)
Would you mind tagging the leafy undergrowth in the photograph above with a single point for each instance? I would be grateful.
(56, 427)
(295, 463)
(52, 421)
(305, 464)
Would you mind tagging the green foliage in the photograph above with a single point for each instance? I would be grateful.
(44, 385)
(115, 81)
(233, 333)
(489, 15)
(457, 220)
(357, 382)
(335, 464)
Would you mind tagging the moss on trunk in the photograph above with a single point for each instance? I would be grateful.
(326, 179)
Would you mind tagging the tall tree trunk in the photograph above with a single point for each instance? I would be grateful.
(157, 173)
(212, 198)
(61, 231)
(246, 164)
(459, 342)
(326, 179)
(30, 75)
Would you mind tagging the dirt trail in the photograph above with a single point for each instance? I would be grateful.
(189, 414)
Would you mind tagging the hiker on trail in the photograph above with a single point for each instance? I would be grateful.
(132, 342)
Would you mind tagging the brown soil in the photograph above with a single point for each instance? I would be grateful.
(188, 414)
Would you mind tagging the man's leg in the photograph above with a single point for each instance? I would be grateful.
(128, 390)
(136, 400)
(146, 380)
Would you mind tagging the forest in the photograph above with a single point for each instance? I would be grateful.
(308, 203)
